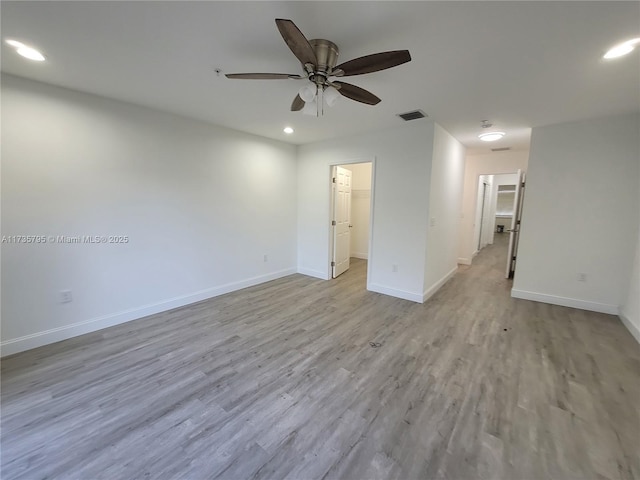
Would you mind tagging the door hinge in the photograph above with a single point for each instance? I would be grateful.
(513, 258)
(333, 223)
(333, 264)
(517, 222)
(522, 184)
(333, 180)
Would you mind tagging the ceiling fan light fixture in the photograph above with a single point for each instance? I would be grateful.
(308, 92)
(331, 96)
(310, 108)
(491, 136)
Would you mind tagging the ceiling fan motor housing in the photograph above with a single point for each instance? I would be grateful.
(326, 54)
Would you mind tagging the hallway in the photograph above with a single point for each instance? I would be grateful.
(281, 381)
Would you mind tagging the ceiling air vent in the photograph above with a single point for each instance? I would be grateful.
(414, 115)
(501, 149)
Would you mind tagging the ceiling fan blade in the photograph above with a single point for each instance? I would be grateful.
(373, 63)
(262, 76)
(297, 104)
(296, 41)
(356, 93)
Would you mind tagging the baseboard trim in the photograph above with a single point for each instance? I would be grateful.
(565, 302)
(464, 261)
(414, 297)
(309, 272)
(362, 256)
(438, 285)
(633, 329)
(34, 340)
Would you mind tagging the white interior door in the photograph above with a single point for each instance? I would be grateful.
(341, 221)
(514, 231)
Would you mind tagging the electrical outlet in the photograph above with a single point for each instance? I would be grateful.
(65, 296)
(582, 277)
(394, 267)
(266, 257)
(432, 222)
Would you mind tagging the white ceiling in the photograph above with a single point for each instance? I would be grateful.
(517, 64)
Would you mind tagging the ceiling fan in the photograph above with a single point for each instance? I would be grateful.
(318, 58)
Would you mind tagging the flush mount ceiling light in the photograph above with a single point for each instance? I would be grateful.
(622, 49)
(288, 130)
(26, 51)
(489, 136)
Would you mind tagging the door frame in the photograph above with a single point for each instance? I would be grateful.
(514, 231)
(474, 242)
(336, 163)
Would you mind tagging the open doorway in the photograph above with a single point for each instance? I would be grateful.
(498, 209)
(351, 213)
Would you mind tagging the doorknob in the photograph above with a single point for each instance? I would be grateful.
(350, 226)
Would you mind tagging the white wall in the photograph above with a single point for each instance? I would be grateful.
(584, 177)
(418, 171)
(476, 165)
(445, 200)
(402, 165)
(201, 206)
(504, 205)
(630, 310)
(360, 209)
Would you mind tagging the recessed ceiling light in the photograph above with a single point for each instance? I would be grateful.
(14, 43)
(26, 51)
(491, 136)
(288, 130)
(622, 49)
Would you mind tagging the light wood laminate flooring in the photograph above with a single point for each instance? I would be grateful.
(280, 381)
